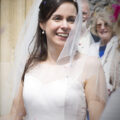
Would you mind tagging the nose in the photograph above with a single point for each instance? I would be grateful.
(65, 25)
(102, 26)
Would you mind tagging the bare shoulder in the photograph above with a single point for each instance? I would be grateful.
(92, 62)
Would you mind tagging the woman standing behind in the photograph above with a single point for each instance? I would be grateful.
(107, 48)
(52, 91)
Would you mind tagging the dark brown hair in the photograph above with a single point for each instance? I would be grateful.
(39, 52)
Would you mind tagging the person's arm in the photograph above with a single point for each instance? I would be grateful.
(95, 106)
(95, 91)
(17, 111)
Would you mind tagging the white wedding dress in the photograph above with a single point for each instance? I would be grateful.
(48, 99)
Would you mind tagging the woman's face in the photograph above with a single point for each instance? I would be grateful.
(104, 31)
(59, 25)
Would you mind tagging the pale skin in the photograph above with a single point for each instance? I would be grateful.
(95, 107)
(63, 23)
(104, 31)
(85, 10)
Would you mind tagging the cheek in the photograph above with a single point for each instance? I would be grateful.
(51, 30)
(71, 26)
(110, 32)
(51, 26)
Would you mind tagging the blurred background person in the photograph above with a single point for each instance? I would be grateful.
(107, 48)
(87, 38)
(112, 109)
(85, 13)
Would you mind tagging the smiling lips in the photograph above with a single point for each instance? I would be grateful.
(102, 32)
(63, 36)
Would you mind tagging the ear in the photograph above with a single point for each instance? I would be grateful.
(42, 26)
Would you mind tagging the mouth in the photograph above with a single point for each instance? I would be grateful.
(104, 32)
(63, 36)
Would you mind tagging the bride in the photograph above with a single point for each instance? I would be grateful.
(57, 82)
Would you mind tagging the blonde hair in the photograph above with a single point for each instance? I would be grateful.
(103, 15)
(116, 28)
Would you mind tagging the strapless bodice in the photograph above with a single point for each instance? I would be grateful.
(62, 99)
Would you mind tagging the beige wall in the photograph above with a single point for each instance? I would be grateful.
(12, 16)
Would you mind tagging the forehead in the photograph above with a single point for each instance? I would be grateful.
(85, 6)
(100, 20)
(66, 8)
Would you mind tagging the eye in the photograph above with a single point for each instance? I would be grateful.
(106, 25)
(98, 25)
(71, 19)
(84, 13)
(57, 18)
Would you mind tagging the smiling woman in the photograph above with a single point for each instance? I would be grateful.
(59, 25)
(107, 48)
(102, 25)
(104, 31)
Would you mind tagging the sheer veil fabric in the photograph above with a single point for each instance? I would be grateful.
(25, 38)
(78, 70)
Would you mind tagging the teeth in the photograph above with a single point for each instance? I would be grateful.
(63, 35)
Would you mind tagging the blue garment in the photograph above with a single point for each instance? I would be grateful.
(102, 50)
(87, 115)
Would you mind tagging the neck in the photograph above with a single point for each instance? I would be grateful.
(104, 42)
(53, 54)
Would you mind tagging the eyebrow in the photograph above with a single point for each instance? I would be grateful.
(61, 15)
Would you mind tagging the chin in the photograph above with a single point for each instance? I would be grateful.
(104, 37)
(61, 42)
(61, 45)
